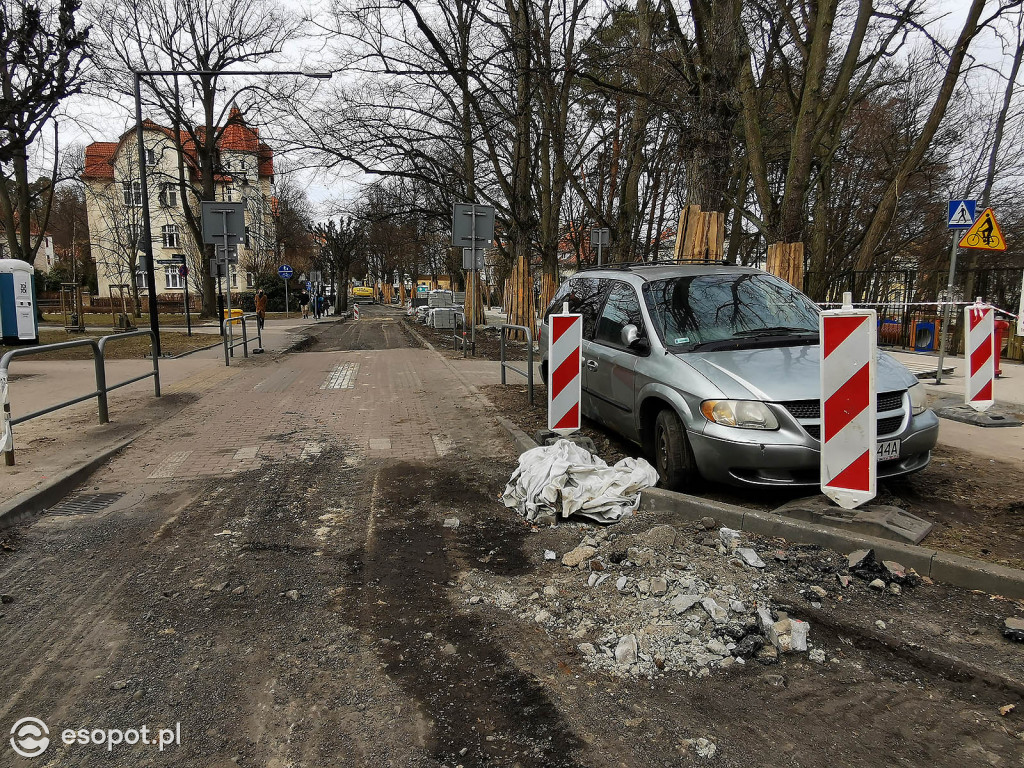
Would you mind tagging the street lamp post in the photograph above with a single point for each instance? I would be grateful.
(154, 320)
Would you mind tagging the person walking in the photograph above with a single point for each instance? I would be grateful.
(304, 304)
(261, 308)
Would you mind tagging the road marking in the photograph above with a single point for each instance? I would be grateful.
(170, 465)
(342, 376)
(442, 444)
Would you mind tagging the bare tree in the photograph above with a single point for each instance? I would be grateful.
(44, 58)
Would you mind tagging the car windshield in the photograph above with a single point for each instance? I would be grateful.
(727, 311)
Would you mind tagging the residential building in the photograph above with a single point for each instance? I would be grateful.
(45, 256)
(245, 173)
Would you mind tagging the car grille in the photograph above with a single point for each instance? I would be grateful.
(810, 410)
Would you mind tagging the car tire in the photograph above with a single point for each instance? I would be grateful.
(673, 457)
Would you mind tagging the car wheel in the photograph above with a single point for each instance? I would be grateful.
(673, 457)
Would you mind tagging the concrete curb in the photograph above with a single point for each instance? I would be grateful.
(35, 500)
(940, 566)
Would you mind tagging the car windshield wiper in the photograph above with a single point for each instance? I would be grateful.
(778, 330)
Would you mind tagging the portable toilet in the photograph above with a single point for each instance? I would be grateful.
(17, 303)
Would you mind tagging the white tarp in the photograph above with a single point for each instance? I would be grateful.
(564, 479)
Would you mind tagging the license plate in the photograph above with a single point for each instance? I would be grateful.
(888, 450)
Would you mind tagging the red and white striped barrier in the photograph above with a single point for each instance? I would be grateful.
(565, 363)
(849, 405)
(355, 311)
(980, 343)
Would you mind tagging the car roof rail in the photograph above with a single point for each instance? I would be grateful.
(627, 265)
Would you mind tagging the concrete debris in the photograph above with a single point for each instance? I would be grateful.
(292, 594)
(750, 557)
(671, 606)
(819, 591)
(451, 522)
(448, 649)
(895, 571)
(550, 554)
(877, 584)
(708, 523)
(626, 650)
(776, 681)
(817, 656)
(578, 556)
(1007, 709)
(1013, 629)
(895, 589)
(880, 624)
(703, 748)
(729, 537)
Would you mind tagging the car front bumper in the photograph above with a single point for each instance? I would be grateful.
(785, 457)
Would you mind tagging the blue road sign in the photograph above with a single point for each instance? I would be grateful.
(961, 214)
(309, 286)
(285, 271)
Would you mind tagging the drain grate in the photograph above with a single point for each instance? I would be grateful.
(85, 503)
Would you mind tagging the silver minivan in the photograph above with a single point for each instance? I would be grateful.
(713, 370)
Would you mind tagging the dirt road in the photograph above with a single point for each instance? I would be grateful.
(273, 571)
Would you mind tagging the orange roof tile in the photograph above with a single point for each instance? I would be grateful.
(99, 160)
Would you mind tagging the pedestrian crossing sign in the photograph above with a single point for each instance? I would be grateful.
(961, 214)
(985, 235)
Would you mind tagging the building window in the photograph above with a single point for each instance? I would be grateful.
(169, 196)
(170, 232)
(133, 193)
(150, 157)
(229, 193)
(248, 237)
(172, 277)
(250, 280)
(234, 277)
(140, 281)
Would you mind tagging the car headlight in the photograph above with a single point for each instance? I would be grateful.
(918, 399)
(744, 414)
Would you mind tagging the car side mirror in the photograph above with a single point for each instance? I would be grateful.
(631, 338)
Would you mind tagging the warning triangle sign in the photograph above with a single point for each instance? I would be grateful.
(985, 234)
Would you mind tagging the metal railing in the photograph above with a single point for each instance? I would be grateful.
(230, 343)
(98, 348)
(528, 373)
(460, 338)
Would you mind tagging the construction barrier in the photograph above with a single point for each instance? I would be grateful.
(980, 346)
(565, 359)
(848, 405)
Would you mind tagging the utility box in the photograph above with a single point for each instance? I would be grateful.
(18, 323)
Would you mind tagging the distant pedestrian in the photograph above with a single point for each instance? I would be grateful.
(261, 308)
(304, 304)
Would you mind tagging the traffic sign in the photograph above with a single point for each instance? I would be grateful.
(421, 289)
(469, 221)
(220, 219)
(285, 272)
(600, 236)
(309, 285)
(961, 214)
(183, 271)
(985, 235)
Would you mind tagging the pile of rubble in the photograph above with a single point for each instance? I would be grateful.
(651, 603)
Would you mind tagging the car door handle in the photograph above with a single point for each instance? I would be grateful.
(592, 365)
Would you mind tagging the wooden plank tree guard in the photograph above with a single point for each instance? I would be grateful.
(519, 309)
(786, 260)
(475, 309)
(548, 288)
(700, 236)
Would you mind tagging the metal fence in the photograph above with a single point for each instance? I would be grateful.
(528, 373)
(98, 348)
(907, 301)
(229, 339)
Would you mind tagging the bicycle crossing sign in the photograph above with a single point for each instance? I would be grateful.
(985, 235)
(961, 214)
